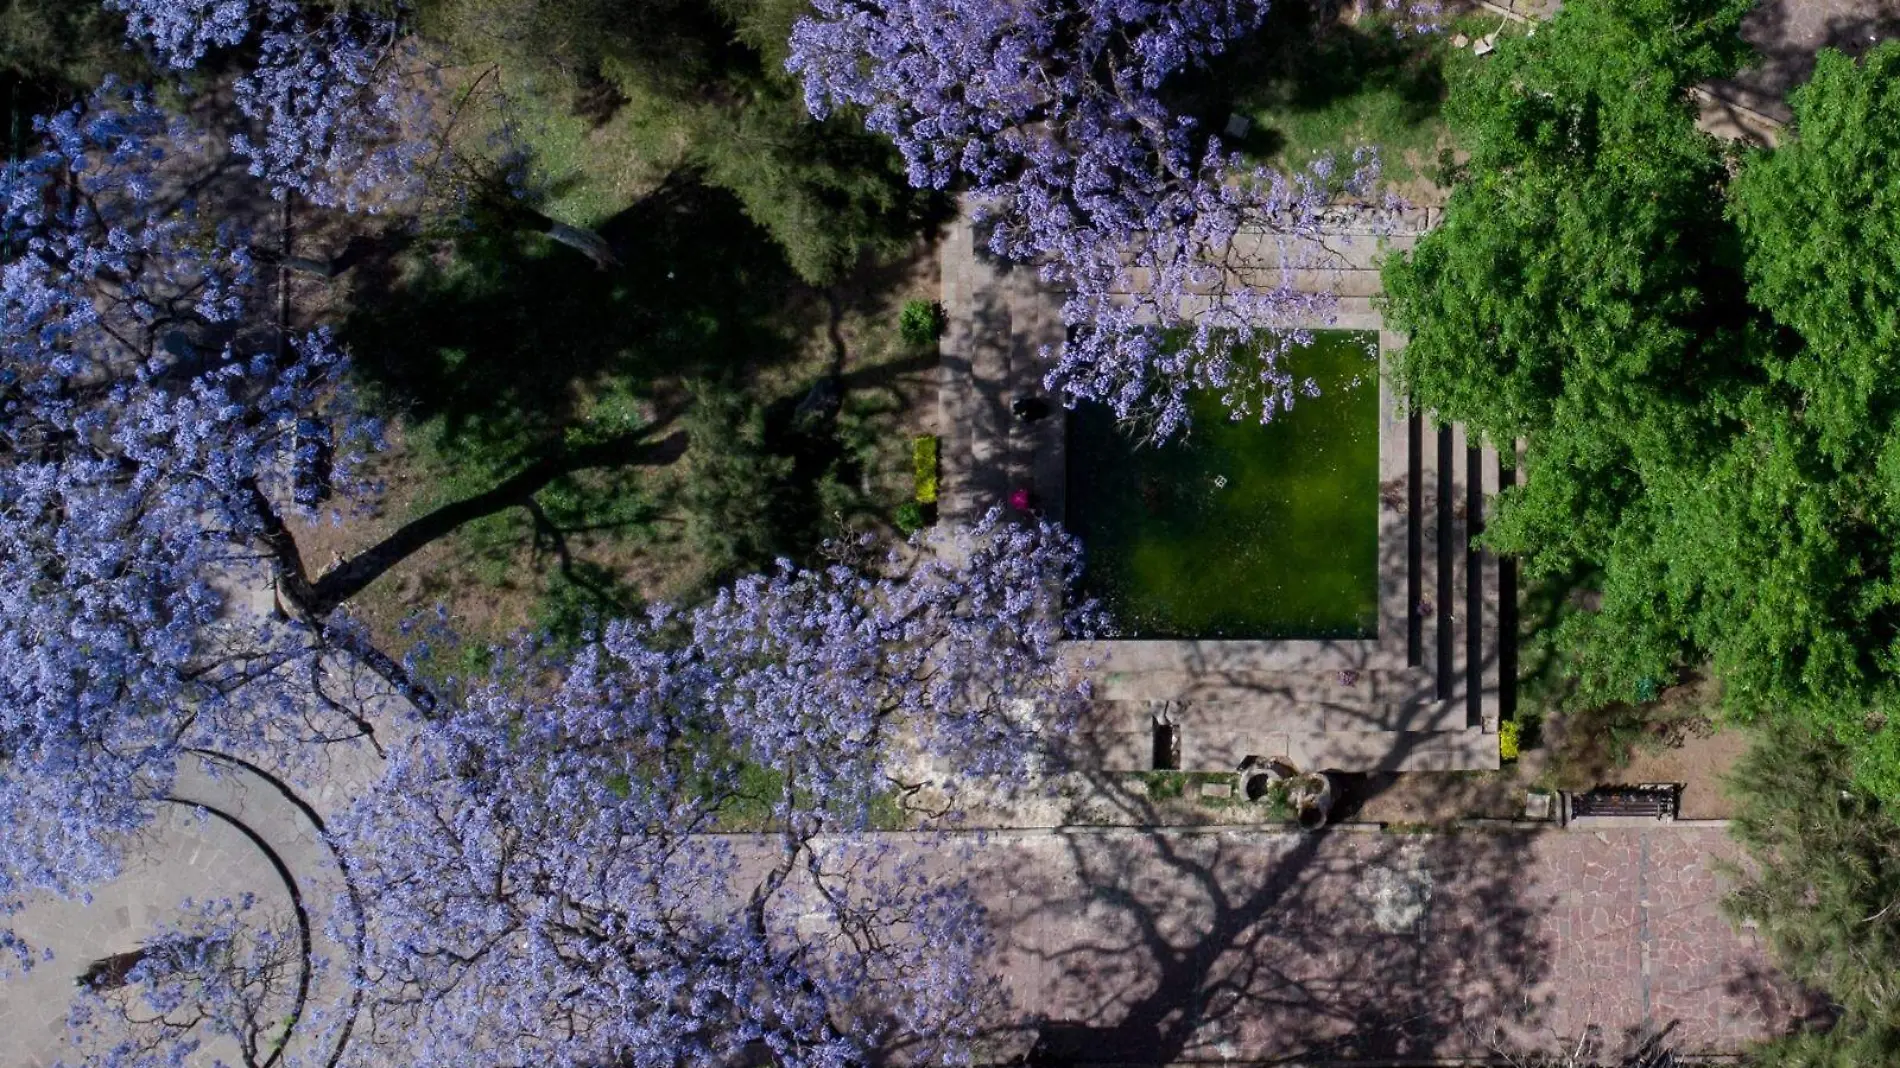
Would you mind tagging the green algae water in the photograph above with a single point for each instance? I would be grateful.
(1240, 531)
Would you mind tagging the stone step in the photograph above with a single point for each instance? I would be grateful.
(1280, 704)
(1461, 569)
(1484, 643)
(1456, 750)
(1258, 251)
(1350, 751)
(1409, 221)
(1121, 662)
(1435, 519)
(1110, 747)
(1397, 622)
(1394, 683)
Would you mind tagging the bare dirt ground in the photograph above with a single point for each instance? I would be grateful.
(1700, 762)
(853, 338)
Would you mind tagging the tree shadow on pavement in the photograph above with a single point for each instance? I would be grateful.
(1786, 35)
(1157, 948)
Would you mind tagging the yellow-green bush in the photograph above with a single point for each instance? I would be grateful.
(923, 454)
(1507, 740)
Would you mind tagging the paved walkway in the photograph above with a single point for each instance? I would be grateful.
(188, 856)
(230, 831)
(1786, 35)
(1244, 946)
(1422, 693)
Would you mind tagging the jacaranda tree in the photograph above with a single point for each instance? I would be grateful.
(151, 440)
(1051, 113)
(225, 980)
(159, 433)
(332, 95)
(536, 867)
(544, 880)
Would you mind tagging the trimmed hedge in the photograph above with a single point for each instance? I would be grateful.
(1507, 740)
(923, 456)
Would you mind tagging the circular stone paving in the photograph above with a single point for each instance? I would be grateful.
(186, 853)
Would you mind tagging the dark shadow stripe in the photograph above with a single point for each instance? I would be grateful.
(349, 887)
(1414, 538)
(1445, 551)
(1507, 619)
(296, 904)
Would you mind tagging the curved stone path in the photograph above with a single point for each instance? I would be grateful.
(229, 829)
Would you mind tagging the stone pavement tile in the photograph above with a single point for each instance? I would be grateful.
(1254, 944)
(156, 879)
(1717, 992)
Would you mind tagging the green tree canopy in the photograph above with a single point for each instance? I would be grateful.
(702, 82)
(50, 48)
(1698, 363)
(1823, 886)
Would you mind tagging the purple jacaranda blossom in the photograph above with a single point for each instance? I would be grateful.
(546, 872)
(146, 446)
(335, 97)
(1050, 112)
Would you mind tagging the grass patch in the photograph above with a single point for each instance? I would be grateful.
(585, 168)
(493, 349)
(1315, 90)
(1186, 785)
(1215, 535)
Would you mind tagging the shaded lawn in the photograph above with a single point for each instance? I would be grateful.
(491, 348)
(504, 342)
(1314, 90)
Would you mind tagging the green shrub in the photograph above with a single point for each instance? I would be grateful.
(921, 322)
(733, 492)
(580, 600)
(1507, 740)
(923, 455)
(909, 517)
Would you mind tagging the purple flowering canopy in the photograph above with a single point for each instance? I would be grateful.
(536, 869)
(543, 880)
(150, 438)
(1051, 111)
(223, 980)
(334, 107)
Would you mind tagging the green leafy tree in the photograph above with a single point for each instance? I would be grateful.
(1821, 218)
(1824, 889)
(830, 195)
(1579, 294)
(1844, 1045)
(1707, 420)
(699, 86)
(1820, 222)
(53, 47)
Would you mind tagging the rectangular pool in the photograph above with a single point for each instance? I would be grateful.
(1237, 530)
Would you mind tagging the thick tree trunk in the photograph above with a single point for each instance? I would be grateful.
(353, 575)
(589, 243)
(586, 242)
